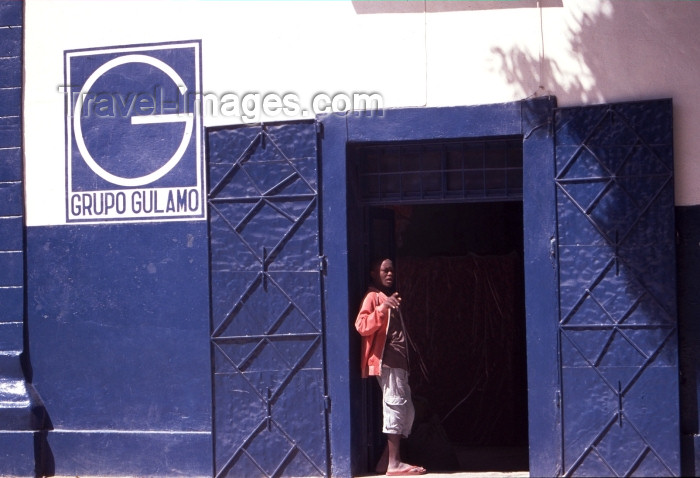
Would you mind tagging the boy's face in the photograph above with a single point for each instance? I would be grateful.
(383, 276)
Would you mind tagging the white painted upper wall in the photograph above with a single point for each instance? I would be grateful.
(410, 53)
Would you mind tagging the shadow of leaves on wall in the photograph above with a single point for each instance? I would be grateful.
(533, 75)
(607, 52)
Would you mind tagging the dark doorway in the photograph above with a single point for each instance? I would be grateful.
(459, 257)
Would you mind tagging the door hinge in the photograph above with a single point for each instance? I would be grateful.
(557, 399)
(322, 264)
(319, 129)
(327, 403)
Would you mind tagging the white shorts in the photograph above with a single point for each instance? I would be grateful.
(397, 407)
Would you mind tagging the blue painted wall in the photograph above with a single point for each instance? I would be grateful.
(105, 326)
(17, 404)
(118, 326)
(113, 325)
(11, 185)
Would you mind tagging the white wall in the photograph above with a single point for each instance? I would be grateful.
(410, 53)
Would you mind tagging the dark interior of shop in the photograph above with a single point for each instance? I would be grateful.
(460, 272)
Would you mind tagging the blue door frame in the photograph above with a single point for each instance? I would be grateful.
(530, 119)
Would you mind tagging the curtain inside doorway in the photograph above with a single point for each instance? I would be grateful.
(467, 319)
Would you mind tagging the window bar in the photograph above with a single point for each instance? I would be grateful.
(421, 175)
(445, 172)
(441, 171)
(483, 170)
(505, 171)
(380, 186)
(400, 172)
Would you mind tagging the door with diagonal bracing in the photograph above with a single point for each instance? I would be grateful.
(617, 303)
(270, 399)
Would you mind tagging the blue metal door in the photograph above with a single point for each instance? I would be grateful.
(270, 398)
(617, 302)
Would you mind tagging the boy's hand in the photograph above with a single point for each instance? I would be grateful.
(393, 302)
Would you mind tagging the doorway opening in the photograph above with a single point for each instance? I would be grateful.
(450, 215)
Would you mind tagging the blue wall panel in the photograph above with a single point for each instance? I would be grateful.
(11, 12)
(19, 411)
(10, 71)
(10, 101)
(11, 164)
(17, 454)
(96, 453)
(11, 38)
(11, 199)
(11, 234)
(118, 322)
(10, 132)
(12, 267)
(12, 300)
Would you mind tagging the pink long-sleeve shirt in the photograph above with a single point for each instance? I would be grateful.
(372, 323)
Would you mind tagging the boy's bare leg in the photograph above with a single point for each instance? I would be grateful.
(391, 456)
(383, 462)
(393, 445)
(394, 463)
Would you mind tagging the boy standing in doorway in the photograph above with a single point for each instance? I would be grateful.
(384, 355)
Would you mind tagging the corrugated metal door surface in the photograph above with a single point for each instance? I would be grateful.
(267, 312)
(617, 318)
